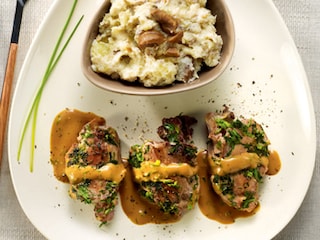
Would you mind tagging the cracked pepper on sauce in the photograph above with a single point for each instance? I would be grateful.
(64, 132)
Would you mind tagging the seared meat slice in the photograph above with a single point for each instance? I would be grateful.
(166, 171)
(166, 179)
(240, 189)
(164, 152)
(238, 158)
(94, 169)
(102, 194)
(174, 195)
(177, 129)
(96, 146)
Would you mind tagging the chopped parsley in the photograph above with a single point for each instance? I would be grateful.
(249, 199)
(136, 156)
(87, 133)
(173, 132)
(78, 157)
(189, 151)
(160, 189)
(235, 130)
(169, 207)
(92, 144)
(83, 192)
(226, 186)
(253, 173)
(110, 138)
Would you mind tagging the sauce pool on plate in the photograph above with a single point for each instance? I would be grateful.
(64, 132)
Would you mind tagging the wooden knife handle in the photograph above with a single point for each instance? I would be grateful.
(6, 94)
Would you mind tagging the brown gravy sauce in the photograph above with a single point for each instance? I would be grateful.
(274, 163)
(209, 202)
(137, 209)
(64, 132)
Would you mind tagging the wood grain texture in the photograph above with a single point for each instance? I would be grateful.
(6, 95)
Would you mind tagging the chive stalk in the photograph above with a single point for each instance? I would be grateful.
(33, 111)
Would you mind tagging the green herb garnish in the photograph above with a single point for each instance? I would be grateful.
(173, 132)
(33, 111)
(235, 130)
(249, 199)
(136, 156)
(253, 173)
(83, 192)
(109, 137)
(78, 156)
(225, 184)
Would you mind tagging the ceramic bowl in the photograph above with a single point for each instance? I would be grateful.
(224, 26)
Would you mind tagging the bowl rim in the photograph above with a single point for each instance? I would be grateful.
(205, 77)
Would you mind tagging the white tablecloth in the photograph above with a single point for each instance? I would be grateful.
(303, 20)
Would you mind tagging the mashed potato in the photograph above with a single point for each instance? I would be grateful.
(156, 42)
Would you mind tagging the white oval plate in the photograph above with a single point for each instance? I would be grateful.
(265, 80)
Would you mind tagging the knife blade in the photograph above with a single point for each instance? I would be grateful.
(9, 73)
